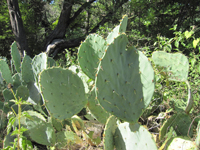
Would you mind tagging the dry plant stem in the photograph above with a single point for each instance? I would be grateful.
(190, 100)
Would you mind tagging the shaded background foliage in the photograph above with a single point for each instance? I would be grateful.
(147, 20)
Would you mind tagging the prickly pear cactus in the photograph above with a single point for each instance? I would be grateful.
(77, 70)
(180, 143)
(8, 95)
(39, 130)
(57, 124)
(34, 94)
(125, 81)
(51, 62)
(198, 135)
(62, 91)
(109, 132)
(16, 81)
(175, 66)
(117, 30)
(5, 71)
(26, 70)
(89, 54)
(22, 92)
(16, 57)
(181, 124)
(96, 109)
(39, 63)
(133, 136)
(8, 140)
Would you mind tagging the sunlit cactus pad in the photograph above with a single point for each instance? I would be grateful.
(63, 92)
(90, 52)
(133, 137)
(125, 81)
(117, 30)
(175, 66)
(181, 143)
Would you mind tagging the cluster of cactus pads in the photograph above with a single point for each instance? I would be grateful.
(123, 85)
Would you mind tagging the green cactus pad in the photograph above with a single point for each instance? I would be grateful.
(8, 140)
(5, 107)
(175, 66)
(16, 81)
(22, 92)
(63, 92)
(89, 54)
(3, 119)
(133, 136)
(8, 95)
(180, 143)
(198, 135)
(124, 84)
(61, 140)
(82, 75)
(96, 109)
(66, 138)
(34, 94)
(27, 72)
(39, 130)
(109, 132)
(5, 71)
(51, 62)
(181, 124)
(39, 63)
(56, 123)
(16, 57)
(118, 29)
(1, 79)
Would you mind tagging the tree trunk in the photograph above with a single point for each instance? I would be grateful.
(60, 30)
(17, 26)
(55, 42)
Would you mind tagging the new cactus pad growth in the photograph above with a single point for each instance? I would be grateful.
(125, 81)
(63, 92)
